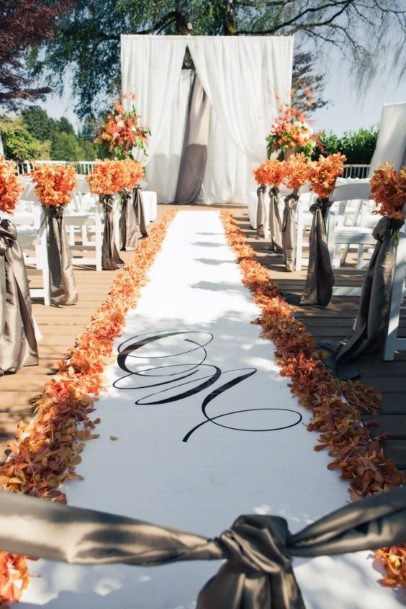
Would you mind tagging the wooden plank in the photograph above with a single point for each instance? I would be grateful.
(394, 425)
(396, 450)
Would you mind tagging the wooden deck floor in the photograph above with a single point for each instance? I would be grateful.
(61, 325)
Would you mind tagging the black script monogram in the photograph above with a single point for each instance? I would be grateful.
(182, 373)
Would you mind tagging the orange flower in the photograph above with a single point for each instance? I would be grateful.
(133, 173)
(10, 189)
(270, 173)
(324, 172)
(298, 171)
(388, 188)
(54, 184)
(108, 177)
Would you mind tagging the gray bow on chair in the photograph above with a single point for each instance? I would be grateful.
(258, 550)
(18, 345)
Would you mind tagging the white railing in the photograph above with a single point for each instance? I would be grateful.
(356, 171)
(82, 167)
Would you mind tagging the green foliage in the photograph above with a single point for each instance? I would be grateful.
(358, 146)
(19, 144)
(38, 123)
(34, 135)
(88, 41)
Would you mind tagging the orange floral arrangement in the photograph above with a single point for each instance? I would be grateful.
(324, 173)
(47, 449)
(54, 184)
(388, 188)
(290, 131)
(10, 189)
(270, 173)
(337, 406)
(107, 177)
(121, 132)
(133, 173)
(298, 171)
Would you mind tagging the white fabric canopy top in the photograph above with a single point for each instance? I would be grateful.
(391, 144)
(245, 79)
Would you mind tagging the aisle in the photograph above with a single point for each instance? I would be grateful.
(197, 428)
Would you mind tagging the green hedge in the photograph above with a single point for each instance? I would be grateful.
(358, 146)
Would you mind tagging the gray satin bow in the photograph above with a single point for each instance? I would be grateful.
(258, 549)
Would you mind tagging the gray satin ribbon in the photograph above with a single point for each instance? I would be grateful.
(18, 345)
(320, 277)
(275, 223)
(194, 151)
(139, 212)
(373, 308)
(111, 260)
(258, 550)
(128, 222)
(289, 231)
(62, 279)
(260, 215)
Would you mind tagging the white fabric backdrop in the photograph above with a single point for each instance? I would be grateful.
(244, 78)
(150, 68)
(391, 144)
(163, 167)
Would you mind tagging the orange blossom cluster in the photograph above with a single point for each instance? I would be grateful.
(10, 189)
(270, 173)
(388, 188)
(324, 173)
(54, 184)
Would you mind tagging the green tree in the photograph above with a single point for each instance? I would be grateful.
(88, 38)
(38, 123)
(19, 144)
(65, 147)
(25, 25)
(63, 125)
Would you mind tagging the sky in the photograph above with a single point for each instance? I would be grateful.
(348, 111)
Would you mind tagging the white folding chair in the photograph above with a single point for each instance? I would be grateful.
(340, 235)
(32, 237)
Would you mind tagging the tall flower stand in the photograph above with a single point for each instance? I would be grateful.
(62, 280)
(111, 260)
(18, 345)
(128, 222)
(289, 230)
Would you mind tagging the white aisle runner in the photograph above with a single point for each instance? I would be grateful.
(197, 428)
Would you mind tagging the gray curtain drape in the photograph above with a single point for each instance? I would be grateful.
(258, 549)
(275, 222)
(260, 216)
(320, 277)
(373, 309)
(128, 222)
(289, 231)
(18, 345)
(139, 212)
(111, 260)
(62, 279)
(194, 152)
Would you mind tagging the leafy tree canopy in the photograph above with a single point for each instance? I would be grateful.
(25, 25)
(87, 39)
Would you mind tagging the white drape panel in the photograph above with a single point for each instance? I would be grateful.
(163, 168)
(391, 143)
(245, 78)
(150, 68)
(228, 171)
